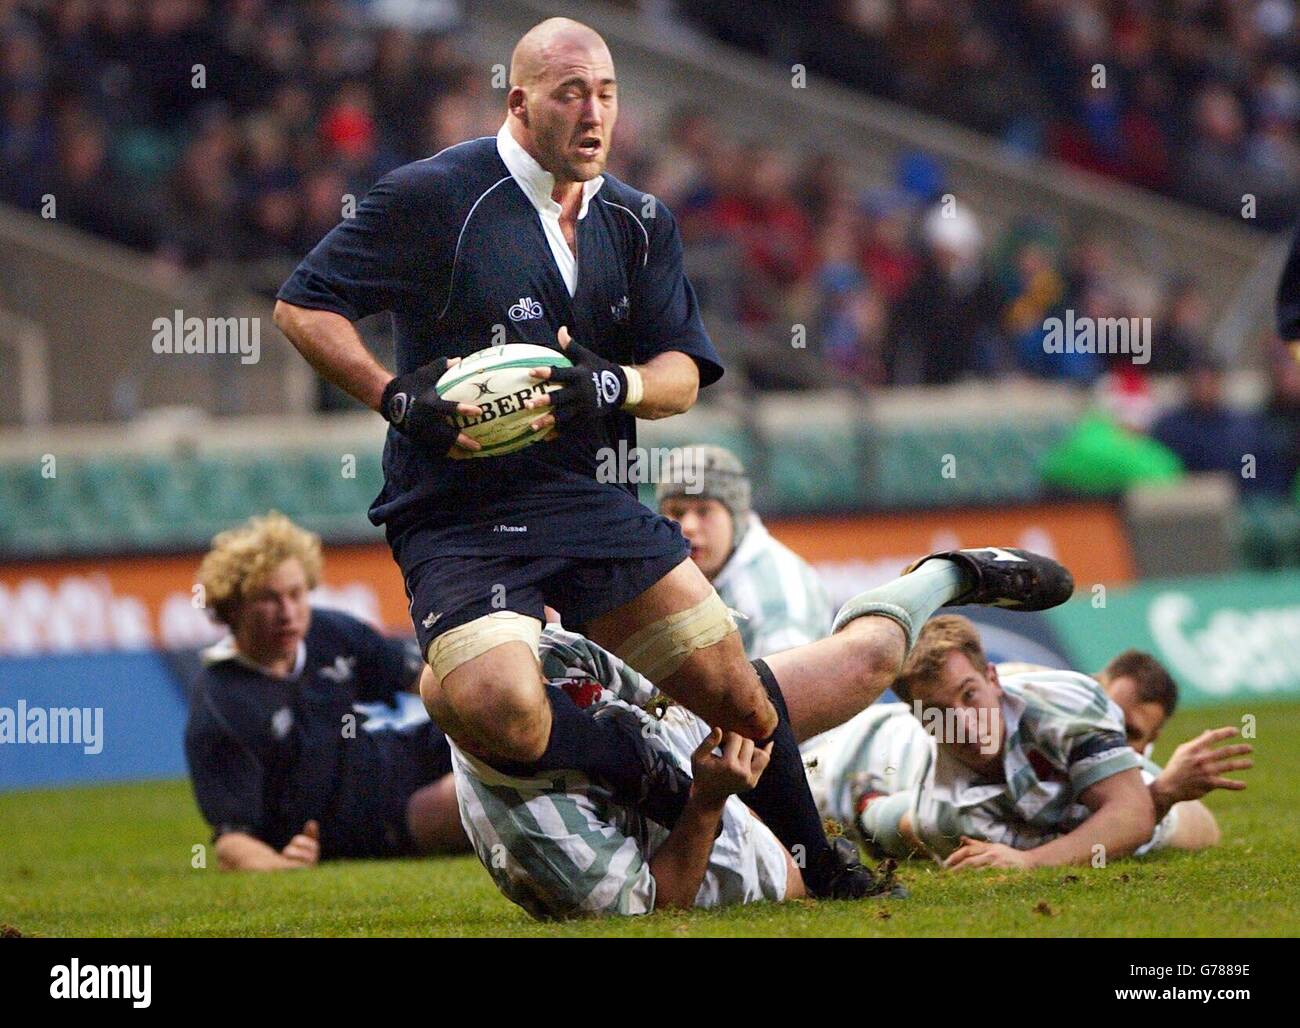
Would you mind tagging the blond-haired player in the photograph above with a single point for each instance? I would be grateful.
(283, 766)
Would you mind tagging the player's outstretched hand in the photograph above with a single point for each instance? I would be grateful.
(977, 853)
(1197, 767)
(411, 404)
(304, 848)
(593, 388)
(737, 769)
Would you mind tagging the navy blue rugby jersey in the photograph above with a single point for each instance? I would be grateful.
(268, 754)
(452, 246)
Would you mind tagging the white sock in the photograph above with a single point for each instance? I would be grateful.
(910, 600)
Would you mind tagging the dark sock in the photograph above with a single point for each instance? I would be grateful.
(581, 743)
(782, 797)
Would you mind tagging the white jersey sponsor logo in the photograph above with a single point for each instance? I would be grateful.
(527, 309)
(341, 671)
(281, 722)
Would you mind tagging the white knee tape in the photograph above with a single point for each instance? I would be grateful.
(465, 642)
(660, 648)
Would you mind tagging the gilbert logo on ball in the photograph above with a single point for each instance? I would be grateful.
(497, 380)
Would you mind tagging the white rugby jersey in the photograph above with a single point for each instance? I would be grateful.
(558, 846)
(780, 595)
(1063, 735)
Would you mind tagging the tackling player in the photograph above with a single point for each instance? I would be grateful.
(705, 489)
(1013, 767)
(283, 766)
(560, 845)
(521, 237)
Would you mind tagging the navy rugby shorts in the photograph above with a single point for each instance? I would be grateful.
(451, 590)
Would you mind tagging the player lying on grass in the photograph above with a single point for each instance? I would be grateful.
(1142, 689)
(1025, 769)
(1147, 695)
(558, 844)
(283, 766)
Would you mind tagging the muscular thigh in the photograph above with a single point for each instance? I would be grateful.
(475, 700)
(716, 681)
(682, 587)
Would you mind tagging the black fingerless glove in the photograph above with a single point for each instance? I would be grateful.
(411, 404)
(593, 388)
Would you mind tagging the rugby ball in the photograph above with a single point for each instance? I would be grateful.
(497, 380)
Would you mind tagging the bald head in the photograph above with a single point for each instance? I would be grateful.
(563, 100)
(549, 43)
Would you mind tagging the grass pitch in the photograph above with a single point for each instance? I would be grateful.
(117, 861)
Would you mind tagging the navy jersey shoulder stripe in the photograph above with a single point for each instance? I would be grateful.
(460, 236)
(445, 149)
(645, 256)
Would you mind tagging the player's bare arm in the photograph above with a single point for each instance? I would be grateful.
(239, 851)
(667, 384)
(670, 382)
(333, 347)
(1123, 818)
(679, 864)
(331, 344)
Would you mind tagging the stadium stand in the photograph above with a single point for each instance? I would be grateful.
(1199, 101)
(245, 175)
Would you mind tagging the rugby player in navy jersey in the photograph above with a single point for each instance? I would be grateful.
(524, 232)
(284, 767)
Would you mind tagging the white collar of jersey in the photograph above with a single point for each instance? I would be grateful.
(1013, 708)
(756, 539)
(536, 182)
(225, 649)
